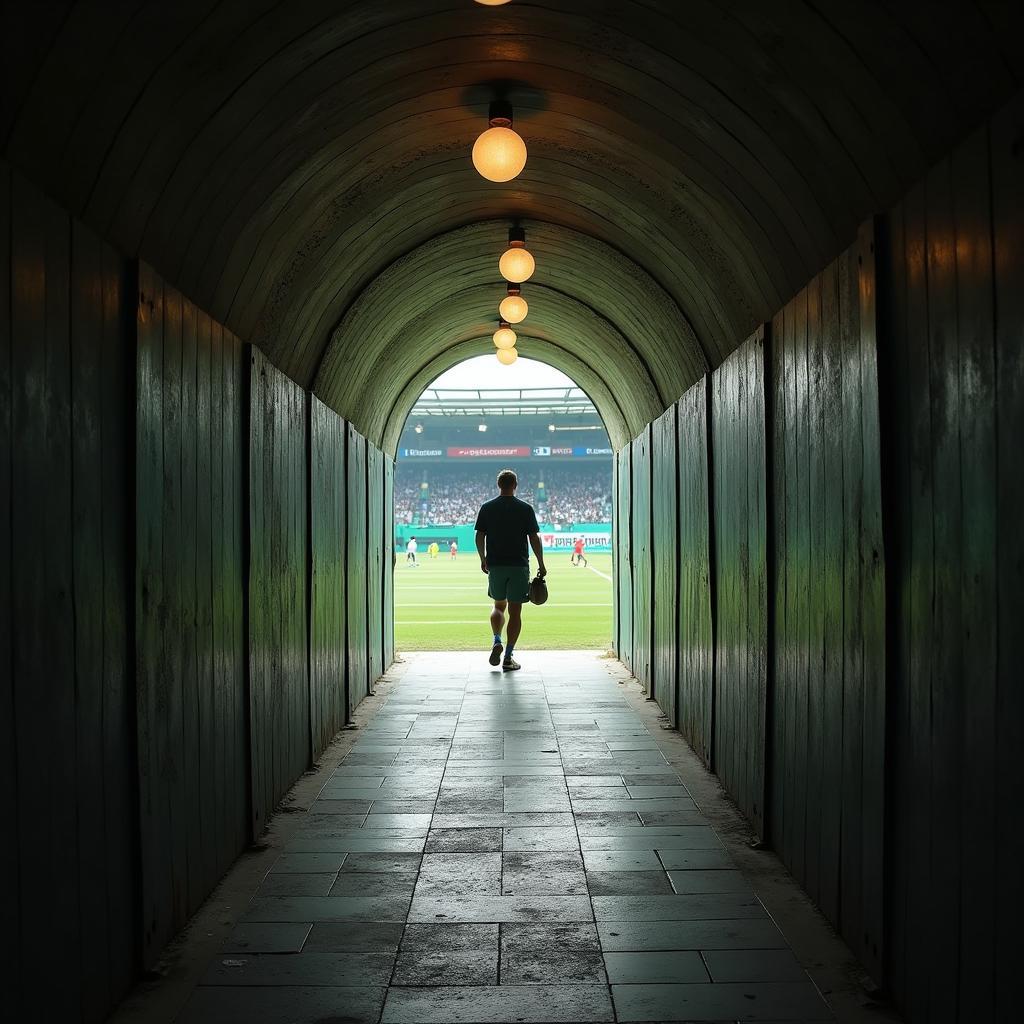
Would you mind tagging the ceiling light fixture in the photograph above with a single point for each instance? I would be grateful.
(513, 307)
(517, 264)
(504, 336)
(492, 3)
(507, 356)
(499, 153)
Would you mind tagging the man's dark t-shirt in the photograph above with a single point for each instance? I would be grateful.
(506, 521)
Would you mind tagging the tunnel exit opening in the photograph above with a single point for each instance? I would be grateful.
(472, 422)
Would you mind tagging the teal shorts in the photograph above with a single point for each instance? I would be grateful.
(508, 583)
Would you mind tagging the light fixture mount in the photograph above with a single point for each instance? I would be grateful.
(499, 114)
(514, 289)
(517, 238)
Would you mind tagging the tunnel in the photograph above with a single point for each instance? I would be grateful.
(781, 247)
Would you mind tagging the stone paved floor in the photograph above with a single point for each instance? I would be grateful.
(504, 848)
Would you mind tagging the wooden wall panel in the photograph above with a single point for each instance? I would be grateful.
(694, 620)
(738, 487)
(665, 553)
(828, 702)
(327, 658)
(388, 555)
(190, 664)
(640, 556)
(952, 379)
(623, 556)
(278, 643)
(66, 701)
(375, 561)
(355, 561)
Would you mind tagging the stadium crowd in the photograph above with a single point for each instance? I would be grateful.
(573, 495)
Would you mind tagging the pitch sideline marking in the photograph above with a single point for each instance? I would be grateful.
(601, 574)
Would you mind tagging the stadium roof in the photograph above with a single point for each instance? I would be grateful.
(568, 401)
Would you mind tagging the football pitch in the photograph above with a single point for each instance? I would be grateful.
(443, 606)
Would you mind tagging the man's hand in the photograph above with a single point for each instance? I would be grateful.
(542, 570)
(483, 566)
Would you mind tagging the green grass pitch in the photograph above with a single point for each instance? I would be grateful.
(443, 606)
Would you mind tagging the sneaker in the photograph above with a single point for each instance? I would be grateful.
(510, 665)
(495, 654)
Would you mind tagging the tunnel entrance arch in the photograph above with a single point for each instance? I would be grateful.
(473, 421)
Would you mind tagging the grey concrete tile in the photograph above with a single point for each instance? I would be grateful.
(639, 806)
(268, 937)
(347, 807)
(552, 839)
(460, 874)
(551, 954)
(308, 968)
(309, 863)
(702, 935)
(695, 838)
(621, 860)
(543, 873)
(734, 1002)
(316, 822)
(699, 860)
(621, 883)
(675, 966)
(288, 1004)
(461, 805)
(696, 881)
(449, 954)
(328, 908)
(581, 794)
(354, 844)
(740, 965)
(506, 820)
(468, 768)
(593, 781)
(464, 840)
(650, 792)
(355, 937)
(717, 906)
(536, 802)
(284, 883)
(471, 909)
(593, 823)
(523, 1004)
(374, 883)
(374, 863)
(380, 808)
(415, 821)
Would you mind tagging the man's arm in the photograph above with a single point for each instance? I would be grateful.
(538, 549)
(480, 536)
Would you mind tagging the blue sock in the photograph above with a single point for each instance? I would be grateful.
(497, 638)
(508, 652)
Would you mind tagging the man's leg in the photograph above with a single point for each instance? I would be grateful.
(515, 626)
(497, 622)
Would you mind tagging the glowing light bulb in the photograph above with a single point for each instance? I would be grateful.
(513, 307)
(517, 265)
(504, 336)
(499, 153)
(507, 356)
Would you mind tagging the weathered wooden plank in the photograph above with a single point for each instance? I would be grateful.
(665, 553)
(696, 649)
(279, 681)
(10, 944)
(829, 825)
(871, 551)
(780, 582)
(1008, 229)
(327, 637)
(623, 557)
(947, 674)
(117, 382)
(355, 564)
(374, 561)
(917, 530)
(43, 656)
(206, 763)
(640, 524)
(389, 561)
(816, 584)
(737, 451)
(188, 558)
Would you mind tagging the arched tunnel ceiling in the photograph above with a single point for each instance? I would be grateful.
(300, 169)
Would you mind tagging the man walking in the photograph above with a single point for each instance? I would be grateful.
(503, 527)
(410, 552)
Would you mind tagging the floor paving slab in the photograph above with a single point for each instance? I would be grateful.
(499, 849)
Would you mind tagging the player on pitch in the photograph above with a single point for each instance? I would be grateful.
(503, 527)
